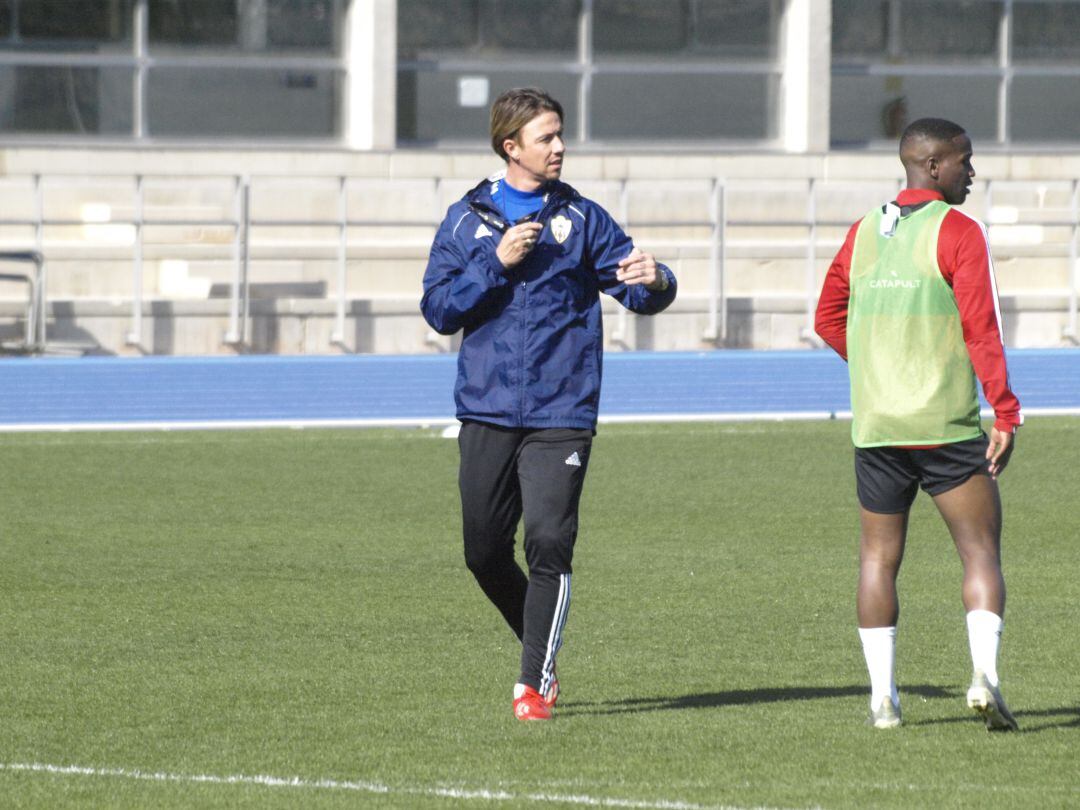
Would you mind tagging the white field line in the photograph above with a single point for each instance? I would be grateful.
(224, 424)
(444, 421)
(485, 795)
(360, 786)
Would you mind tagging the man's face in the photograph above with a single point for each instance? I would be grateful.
(537, 155)
(955, 170)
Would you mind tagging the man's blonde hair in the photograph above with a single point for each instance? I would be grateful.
(513, 110)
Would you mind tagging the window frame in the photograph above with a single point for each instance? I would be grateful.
(137, 56)
(585, 66)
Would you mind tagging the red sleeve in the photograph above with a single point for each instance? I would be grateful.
(830, 321)
(966, 264)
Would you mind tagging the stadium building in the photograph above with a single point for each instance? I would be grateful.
(182, 177)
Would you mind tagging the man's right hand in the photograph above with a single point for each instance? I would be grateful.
(517, 242)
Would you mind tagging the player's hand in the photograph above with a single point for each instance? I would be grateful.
(640, 268)
(999, 451)
(517, 242)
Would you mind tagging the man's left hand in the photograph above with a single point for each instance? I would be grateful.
(640, 268)
(999, 451)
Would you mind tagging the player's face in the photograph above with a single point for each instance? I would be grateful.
(955, 171)
(536, 156)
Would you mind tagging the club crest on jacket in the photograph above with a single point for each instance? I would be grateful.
(560, 228)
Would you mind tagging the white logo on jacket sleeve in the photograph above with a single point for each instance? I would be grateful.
(481, 231)
(560, 228)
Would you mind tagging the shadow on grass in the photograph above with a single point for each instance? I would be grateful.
(736, 697)
(1069, 718)
(1064, 717)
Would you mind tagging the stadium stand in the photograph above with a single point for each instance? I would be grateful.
(265, 176)
(206, 252)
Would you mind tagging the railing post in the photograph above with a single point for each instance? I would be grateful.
(717, 330)
(623, 320)
(1074, 263)
(337, 336)
(433, 338)
(134, 336)
(39, 240)
(36, 318)
(245, 264)
(239, 303)
(808, 333)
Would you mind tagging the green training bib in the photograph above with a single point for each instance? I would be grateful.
(912, 382)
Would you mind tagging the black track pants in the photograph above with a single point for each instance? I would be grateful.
(505, 474)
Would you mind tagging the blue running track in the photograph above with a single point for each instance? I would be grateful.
(268, 391)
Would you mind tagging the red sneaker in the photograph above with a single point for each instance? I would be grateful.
(530, 704)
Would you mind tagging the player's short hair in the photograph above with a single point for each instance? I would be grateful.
(934, 129)
(514, 109)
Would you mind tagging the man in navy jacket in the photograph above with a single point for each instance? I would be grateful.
(518, 264)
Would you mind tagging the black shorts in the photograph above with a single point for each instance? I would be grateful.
(888, 478)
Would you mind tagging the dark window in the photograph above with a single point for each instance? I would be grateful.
(82, 20)
(1046, 32)
(307, 24)
(193, 22)
(683, 107)
(741, 28)
(195, 101)
(680, 28)
(81, 101)
(440, 102)
(270, 25)
(937, 30)
(870, 108)
(950, 30)
(532, 25)
(1043, 108)
(436, 25)
(487, 27)
(860, 28)
(640, 26)
(429, 108)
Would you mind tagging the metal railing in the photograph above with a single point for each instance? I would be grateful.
(34, 338)
(717, 246)
(1074, 264)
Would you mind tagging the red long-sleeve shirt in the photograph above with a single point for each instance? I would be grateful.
(963, 254)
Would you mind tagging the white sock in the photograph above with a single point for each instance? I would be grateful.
(984, 637)
(879, 649)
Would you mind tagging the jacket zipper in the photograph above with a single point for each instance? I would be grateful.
(521, 376)
(551, 204)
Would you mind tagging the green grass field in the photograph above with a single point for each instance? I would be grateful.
(178, 609)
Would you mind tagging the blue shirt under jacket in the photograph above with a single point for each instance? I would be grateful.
(532, 349)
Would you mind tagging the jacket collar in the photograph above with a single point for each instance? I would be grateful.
(483, 193)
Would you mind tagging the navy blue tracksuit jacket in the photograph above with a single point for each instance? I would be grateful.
(532, 348)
